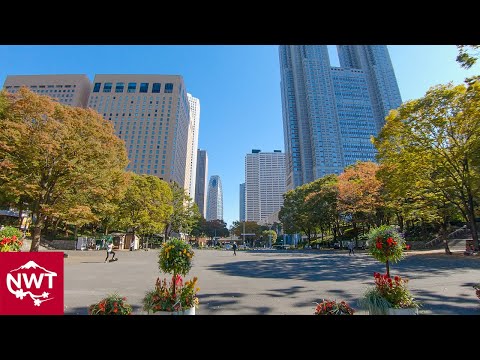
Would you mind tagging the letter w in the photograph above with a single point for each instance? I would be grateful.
(33, 278)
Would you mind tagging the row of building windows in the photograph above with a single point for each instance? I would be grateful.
(41, 86)
(132, 87)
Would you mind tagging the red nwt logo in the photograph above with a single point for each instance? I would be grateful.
(31, 283)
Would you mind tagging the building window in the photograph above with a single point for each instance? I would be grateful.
(119, 87)
(143, 87)
(156, 88)
(132, 87)
(96, 88)
(168, 88)
(107, 87)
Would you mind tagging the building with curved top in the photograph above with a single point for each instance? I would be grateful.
(214, 199)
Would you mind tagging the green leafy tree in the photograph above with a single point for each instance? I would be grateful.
(437, 138)
(321, 203)
(47, 149)
(185, 212)
(146, 204)
(216, 228)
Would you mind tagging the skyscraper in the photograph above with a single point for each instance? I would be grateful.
(242, 202)
(192, 144)
(214, 199)
(264, 184)
(201, 182)
(151, 113)
(330, 113)
(67, 89)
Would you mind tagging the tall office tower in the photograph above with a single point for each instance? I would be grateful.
(151, 114)
(67, 89)
(214, 199)
(242, 202)
(330, 113)
(264, 184)
(375, 61)
(201, 181)
(192, 145)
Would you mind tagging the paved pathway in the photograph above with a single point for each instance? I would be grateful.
(274, 282)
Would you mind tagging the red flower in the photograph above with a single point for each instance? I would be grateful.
(397, 279)
(379, 246)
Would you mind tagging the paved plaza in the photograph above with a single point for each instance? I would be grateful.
(273, 282)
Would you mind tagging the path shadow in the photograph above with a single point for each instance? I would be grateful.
(341, 267)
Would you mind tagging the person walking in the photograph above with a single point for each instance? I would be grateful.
(351, 247)
(234, 248)
(110, 251)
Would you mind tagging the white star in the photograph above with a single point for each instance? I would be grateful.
(45, 294)
(37, 302)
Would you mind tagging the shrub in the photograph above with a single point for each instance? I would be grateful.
(175, 257)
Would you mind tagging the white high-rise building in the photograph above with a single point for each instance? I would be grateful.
(214, 199)
(193, 128)
(264, 184)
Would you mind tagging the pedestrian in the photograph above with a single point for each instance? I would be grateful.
(234, 248)
(351, 247)
(110, 251)
(132, 245)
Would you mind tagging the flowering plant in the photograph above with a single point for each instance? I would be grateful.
(394, 291)
(10, 244)
(174, 296)
(111, 305)
(331, 307)
(386, 244)
(10, 239)
(175, 257)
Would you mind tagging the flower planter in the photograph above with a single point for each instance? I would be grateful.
(392, 311)
(190, 311)
(404, 311)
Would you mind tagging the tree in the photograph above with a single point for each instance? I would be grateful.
(215, 228)
(359, 193)
(468, 55)
(270, 235)
(185, 212)
(146, 205)
(47, 149)
(437, 137)
(297, 213)
(322, 203)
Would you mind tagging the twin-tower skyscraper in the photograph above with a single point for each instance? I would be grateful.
(330, 113)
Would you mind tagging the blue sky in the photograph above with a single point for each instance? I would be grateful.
(238, 87)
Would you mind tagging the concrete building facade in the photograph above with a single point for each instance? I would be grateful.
(72, 90)
(264, 184)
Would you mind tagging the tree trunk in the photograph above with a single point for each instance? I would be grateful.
(55, 228)
(37, 232)
(388, 268)
(75, 233)
(400, 221)
(471, 219)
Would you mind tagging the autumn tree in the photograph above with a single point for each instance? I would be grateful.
(270, 236)
(359, 193)
(47, 149)
(438, 137)
(468, 55)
